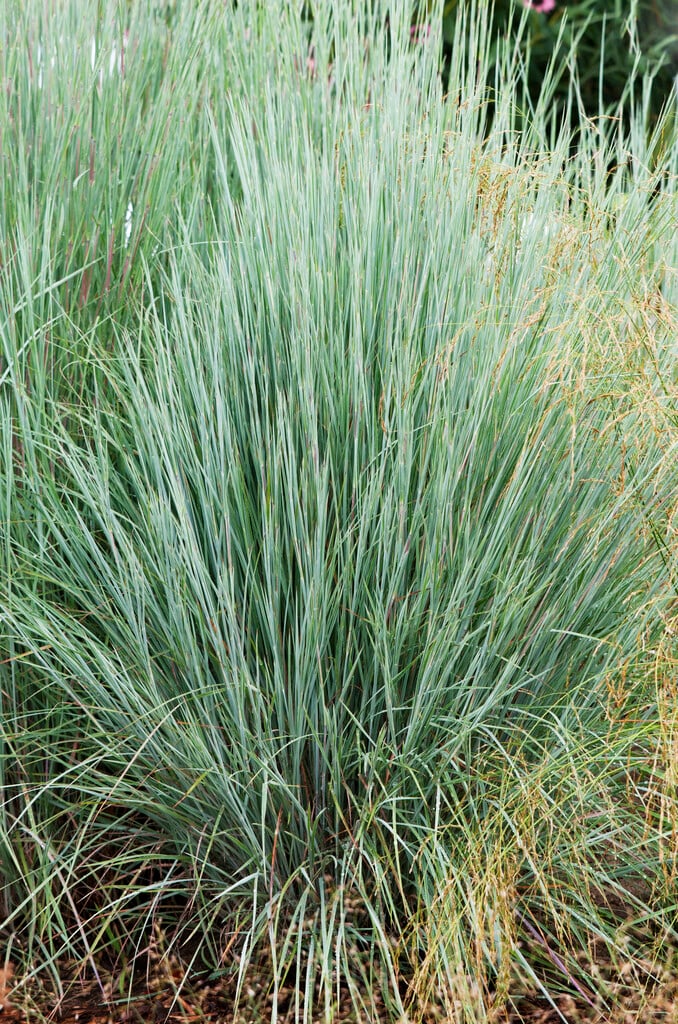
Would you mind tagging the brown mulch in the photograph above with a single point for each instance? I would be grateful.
(167, 998)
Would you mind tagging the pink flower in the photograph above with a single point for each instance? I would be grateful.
(420, 33)
(541, 6)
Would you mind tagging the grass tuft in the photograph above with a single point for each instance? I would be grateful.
(337, 512)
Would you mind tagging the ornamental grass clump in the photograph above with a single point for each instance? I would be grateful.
(334, 579)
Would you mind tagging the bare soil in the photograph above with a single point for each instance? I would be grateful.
(170, 997)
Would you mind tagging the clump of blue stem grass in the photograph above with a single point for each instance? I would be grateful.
(333, 574)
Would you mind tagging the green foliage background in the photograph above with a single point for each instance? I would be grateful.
(614, 44)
